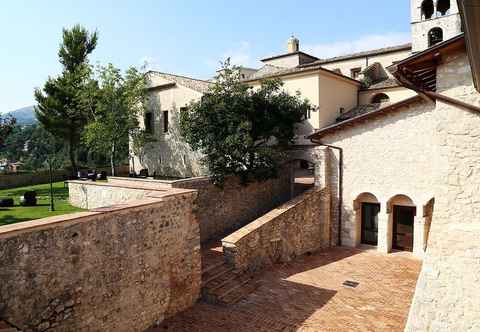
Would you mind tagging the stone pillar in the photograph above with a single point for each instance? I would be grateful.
(322, 167)
(385, 231)
(419, 236)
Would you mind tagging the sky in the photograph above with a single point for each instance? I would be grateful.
(186, 37)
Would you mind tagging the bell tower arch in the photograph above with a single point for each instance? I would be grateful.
(433, 21)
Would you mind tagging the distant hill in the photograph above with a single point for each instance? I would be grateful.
(24, 115)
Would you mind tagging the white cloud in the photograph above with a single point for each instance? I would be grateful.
(240, 55)
(364, 43)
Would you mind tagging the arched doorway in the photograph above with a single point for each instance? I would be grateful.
(435, 36)
(402, 212)
(303, 175)
(367, 208)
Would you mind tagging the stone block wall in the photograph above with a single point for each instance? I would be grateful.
(92, 195)
(299, 226)
(222, 211)
(117, 270)
(447, 297)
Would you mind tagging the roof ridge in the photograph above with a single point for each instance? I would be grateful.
(176, 75)
(361, 53)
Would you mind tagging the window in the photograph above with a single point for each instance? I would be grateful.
(380, 98)
(443, 7)
(435, 36)
(148, 121)
(355, 72)
(427, 9)
(165, 121)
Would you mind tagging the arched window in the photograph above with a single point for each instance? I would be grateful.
(427, 9)
(443, 7)
(380, 98)
(435, 36)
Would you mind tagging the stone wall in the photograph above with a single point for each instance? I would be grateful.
(27, 179)
(92, 195)
(384, 157)
(299, 226)
(447, 297)
(222, 211)
(120, 269)
(219, 210)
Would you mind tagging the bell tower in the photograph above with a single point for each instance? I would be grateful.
(433, 21)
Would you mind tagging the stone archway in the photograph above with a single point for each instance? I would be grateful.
(366, 207)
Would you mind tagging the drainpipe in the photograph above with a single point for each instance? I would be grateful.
(340, 184)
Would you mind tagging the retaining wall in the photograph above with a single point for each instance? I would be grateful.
(299, 226)
(117, 269)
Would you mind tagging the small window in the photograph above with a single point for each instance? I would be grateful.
(435, 36)
(165, 121)
(149, 122)
(355, 72)
(380, 98)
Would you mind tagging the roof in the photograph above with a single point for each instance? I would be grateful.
(266, 70)
(290, 54)
(377, 51)
(364, 116)
(385, 84)
(419, 71)
(191, 83)
(272, 72)
(359, 110)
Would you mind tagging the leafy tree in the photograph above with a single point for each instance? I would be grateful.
(119, 103)
(61, 108)
(240, 130)
(7, 124)
(16, 144)
(42, 146)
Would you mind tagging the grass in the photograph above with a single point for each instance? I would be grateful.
(11, 215)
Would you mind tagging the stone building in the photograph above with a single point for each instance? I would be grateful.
(339, 87)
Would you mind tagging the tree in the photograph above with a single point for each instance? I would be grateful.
(61, 108)
(240, 130)
(119, 103)
(7, 124)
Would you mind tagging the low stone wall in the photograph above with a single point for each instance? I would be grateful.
(219, 211)
(299, 226)
(117, 269)
(92, 195)
(27, 179)
(222, 211)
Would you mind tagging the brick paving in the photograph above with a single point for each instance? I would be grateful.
(308, 295)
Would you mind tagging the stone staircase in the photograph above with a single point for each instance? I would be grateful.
(222, 284)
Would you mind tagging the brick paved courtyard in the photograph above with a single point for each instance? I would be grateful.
(308, 295)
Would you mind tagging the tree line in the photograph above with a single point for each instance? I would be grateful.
(86, 110)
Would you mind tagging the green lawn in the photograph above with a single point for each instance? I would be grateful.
(23, 213)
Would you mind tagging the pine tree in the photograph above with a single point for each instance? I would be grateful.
(61, 108)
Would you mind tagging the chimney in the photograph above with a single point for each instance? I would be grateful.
(293, 44)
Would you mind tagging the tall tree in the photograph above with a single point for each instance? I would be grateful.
(7, 124)
(61, 108)
(119, 103)
(240, 130)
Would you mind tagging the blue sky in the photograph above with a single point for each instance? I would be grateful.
(186, 37)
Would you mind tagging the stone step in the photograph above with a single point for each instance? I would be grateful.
(216, 273)
(239, 293)
(211, 267)
(232, 285)
(221, 281)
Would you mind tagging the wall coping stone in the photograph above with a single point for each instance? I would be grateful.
(231, 239)
(49, 222)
